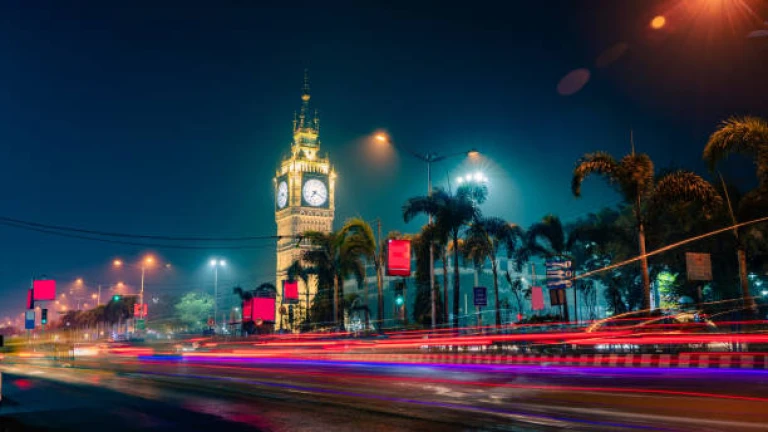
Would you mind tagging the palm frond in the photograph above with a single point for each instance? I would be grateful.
(600, 163)
(744, 135)
(685, 186)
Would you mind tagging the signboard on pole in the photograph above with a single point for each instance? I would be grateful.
(137, 310)
(481, 296)
(247, 310)
(556, 297)
(699, 266)
(537, 298)
(264, 309)
(140, 324)
(290, 291)
(44, 290)
(398, 257)
(30, 299)
(559, 274)
(29, 320)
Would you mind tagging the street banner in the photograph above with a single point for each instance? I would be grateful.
(398, 257)
(481, 296)
(699, 266)
(537, 298)
(44, 290)
(290, 291)
(30, 299)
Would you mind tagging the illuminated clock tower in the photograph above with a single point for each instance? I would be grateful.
(304, 197)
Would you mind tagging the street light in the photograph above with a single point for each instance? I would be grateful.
(146, 262)
(216, 263)
(429, 158)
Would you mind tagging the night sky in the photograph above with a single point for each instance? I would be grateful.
(171, 120)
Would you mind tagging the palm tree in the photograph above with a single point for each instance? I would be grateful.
(484, 240)
(450, 213)
(747, 136)
(633, 176)
(335, 256)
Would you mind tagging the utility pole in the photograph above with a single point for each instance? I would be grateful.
(379, 276)
(432, 295)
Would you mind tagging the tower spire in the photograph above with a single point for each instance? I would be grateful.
(632, 141)
(304, 100)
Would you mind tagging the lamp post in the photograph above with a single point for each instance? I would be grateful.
(429, 158)
(146, 262)
(216, 263)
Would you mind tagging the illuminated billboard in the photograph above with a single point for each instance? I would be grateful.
(264, 309)
(290, 291)
(44, 290)
(247, 310)
(399, 257)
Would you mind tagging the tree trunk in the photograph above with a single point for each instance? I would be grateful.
(496, 291)
(335, 301)
(445, 286)
(644, 266)
(456, 283)
(749, 302)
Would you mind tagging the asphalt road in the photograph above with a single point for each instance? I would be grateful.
(284, 395)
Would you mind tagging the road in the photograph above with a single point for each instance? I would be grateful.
(290, 395)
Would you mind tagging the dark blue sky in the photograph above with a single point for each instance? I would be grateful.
(170, 120)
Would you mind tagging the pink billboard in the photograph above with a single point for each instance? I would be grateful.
(537, 298)
(44, 289)
(290, 291)
(247, 310)
(399, 258)
(264, 309)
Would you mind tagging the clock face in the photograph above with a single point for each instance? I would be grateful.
(315, 193)
(282, 194)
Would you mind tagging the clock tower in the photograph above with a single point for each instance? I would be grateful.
(304, 188)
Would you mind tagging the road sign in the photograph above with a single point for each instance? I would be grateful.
(481, 296)
(559, 274)
(563, 284)
(556, 297)
(140, 324)
(699, 266)
(29, 320)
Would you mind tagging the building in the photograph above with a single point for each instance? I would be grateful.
(304, 188)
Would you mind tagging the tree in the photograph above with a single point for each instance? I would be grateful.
(633, 177)
(194, 309)
(748, 136)
(333, 257)
(485, 239)
(450, 213)
(422, 305)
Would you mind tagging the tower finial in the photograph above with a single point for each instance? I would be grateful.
(304, 100)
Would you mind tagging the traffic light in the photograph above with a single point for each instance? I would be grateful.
(399, 292)
(115, 297)
(44, 316)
